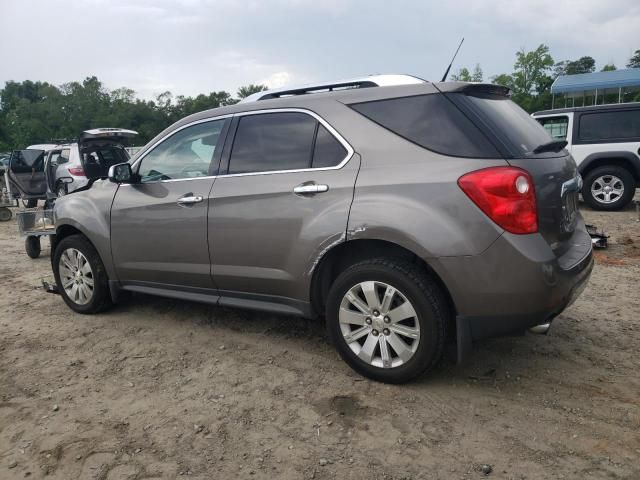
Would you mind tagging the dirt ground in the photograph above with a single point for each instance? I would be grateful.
(161, 388)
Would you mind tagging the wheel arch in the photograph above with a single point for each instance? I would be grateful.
(624, 159)
(345, 254)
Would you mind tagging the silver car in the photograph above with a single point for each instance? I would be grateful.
(70, 166)
(408, 215)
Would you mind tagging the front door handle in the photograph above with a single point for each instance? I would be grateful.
(189, 199)
(310, 188)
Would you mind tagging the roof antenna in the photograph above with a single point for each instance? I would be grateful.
(444, 77)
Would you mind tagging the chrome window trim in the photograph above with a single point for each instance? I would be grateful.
(333, 131)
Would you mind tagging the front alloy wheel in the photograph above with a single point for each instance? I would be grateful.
(76, 276)
(379, 324)
(80, 275)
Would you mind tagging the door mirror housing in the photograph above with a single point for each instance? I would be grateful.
(121, 173)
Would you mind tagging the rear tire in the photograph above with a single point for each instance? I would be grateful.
(80, 276)
(363, 338)
(32, 246)
(608, 188)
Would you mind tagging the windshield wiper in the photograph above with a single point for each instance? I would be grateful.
(552, 146)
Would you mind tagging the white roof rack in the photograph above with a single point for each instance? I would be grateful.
(361, 82)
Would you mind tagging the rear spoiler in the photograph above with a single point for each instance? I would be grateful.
(473, 88)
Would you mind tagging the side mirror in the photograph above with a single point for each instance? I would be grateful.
(121, 173)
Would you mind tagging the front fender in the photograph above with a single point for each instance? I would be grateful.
(89, 212)
(631, 157)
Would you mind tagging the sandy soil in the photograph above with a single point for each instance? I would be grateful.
(160, 388)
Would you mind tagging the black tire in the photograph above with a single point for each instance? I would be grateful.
(61, 189)
(5, 214)
(31, 202)
(428, 301)
(32, 246)
(101, 297)
(622, 201)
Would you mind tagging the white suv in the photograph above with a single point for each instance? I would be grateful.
(605, 143)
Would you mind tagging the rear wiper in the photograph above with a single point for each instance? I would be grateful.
(552, 146)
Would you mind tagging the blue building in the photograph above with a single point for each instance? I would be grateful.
(596, 88)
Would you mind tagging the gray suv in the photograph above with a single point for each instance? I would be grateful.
(408, 216)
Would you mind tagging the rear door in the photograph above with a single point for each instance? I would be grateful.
(283, 198)
(26, 172)
(159, 225)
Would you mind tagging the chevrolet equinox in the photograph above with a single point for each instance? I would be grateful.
(409, 214)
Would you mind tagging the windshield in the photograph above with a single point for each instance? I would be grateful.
(509, 122)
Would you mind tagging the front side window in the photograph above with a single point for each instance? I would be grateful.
(555, 126)
(186, 154)
(620, 125)
(272, 142)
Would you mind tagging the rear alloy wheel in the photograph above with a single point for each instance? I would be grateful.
(608, 188)
(80, 275)
(387, 319)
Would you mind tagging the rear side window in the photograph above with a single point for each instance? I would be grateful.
(431, 121)
(610, 125)
(328, 151)
(555, 126)
(272, 142)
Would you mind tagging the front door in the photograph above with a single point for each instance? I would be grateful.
(283, 198)
(159, 224)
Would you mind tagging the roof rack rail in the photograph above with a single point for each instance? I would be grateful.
(362, 82)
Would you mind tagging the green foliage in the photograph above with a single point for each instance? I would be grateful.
(582, 65)
(38, 112)
(609, 67)
(464, 75)
(244, 92)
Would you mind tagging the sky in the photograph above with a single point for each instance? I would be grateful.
(198, 46)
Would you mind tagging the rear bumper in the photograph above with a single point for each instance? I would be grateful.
(514, 285)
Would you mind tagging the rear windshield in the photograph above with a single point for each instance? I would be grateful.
(431, 121)
(98, 157)
(520, 133)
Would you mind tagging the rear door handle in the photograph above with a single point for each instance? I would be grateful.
(189, 199)
(310, 189)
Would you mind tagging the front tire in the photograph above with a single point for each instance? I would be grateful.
(387, 319)
(608, 188)
(80, 275)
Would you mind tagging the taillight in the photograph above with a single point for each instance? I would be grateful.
(505, 195)
(77, 171)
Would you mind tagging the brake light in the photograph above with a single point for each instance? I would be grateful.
(77, 171)
(505, 195)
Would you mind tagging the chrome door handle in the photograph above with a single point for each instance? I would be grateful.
(310, 188)
(190, 199)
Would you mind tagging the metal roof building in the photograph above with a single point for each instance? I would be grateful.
(599, 85)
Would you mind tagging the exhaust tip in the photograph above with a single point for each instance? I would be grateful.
(540, 329)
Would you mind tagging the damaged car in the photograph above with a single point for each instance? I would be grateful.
(410, 215)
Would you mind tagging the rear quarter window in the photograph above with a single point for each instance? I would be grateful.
(431, 121)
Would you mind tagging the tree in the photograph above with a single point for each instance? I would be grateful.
(575, 67)
(609, 67)
(634, 61)
(250, 89)
(530, 70)
(464, 75)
